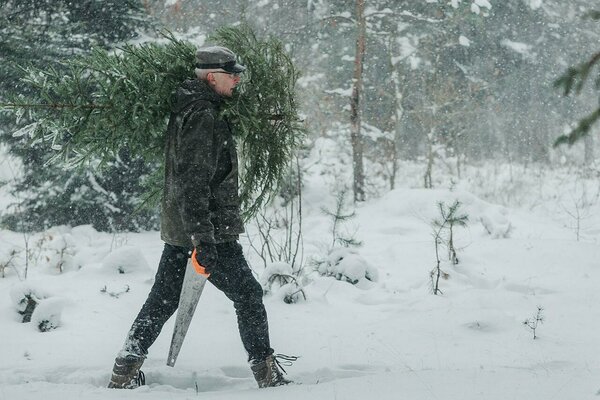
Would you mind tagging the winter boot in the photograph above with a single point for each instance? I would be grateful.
(269, 372)
(126, 373)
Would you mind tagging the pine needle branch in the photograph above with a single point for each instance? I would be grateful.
(582, 129)
(575, 77)
(18, 105)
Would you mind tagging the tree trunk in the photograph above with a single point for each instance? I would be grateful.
(397, 104)
(588, 149)
(427, 179)
(355, 134)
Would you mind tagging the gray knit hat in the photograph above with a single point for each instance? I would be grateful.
(218, 57)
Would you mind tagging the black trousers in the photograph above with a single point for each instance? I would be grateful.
(231, 275)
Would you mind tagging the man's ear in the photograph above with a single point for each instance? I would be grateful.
(210, 77)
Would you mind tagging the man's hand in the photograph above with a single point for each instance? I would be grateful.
(204, 258)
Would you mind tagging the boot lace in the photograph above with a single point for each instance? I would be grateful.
(140, 380)
(282, 359)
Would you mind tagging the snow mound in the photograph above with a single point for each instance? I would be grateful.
(279, 279)
(422, 204)
(346, 264)
(274, 273)
(496, 225)
(47, 315)
(57, 247)
(125, 260)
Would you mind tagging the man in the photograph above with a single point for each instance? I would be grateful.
(201, 212)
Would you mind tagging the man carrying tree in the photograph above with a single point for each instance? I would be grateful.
(201, 218)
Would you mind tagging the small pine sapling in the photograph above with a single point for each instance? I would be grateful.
(533, 323)
(454, 220)
(338, 217)
(450, 217)
(343, 262)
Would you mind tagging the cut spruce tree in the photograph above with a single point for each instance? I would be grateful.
(109, 102)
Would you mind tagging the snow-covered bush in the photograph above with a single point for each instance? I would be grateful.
(345, 264)
(291, 293)
(279, 278)
(276, 275)
(47, 315)
(124, 260)
(36, 305)
(26, 297)
(56, 249)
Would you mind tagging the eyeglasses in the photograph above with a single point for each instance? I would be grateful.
(234, 74)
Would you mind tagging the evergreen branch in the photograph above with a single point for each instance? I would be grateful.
(575, 77)
(449, 216)
(55, 106)
(582, 129)
(264, 116)
(595, 15)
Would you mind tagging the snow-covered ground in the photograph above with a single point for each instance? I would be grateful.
(389, 339)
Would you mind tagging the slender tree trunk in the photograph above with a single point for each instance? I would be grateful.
(355, 134)
(588, 143)
(427, 178)
(397, 104)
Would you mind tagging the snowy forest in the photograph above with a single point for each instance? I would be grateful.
(433, 233)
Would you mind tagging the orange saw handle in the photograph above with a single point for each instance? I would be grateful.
(197, 266)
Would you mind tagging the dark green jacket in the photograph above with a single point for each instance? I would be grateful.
(200, 196)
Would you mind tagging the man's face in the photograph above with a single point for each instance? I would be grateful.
(224, 82)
